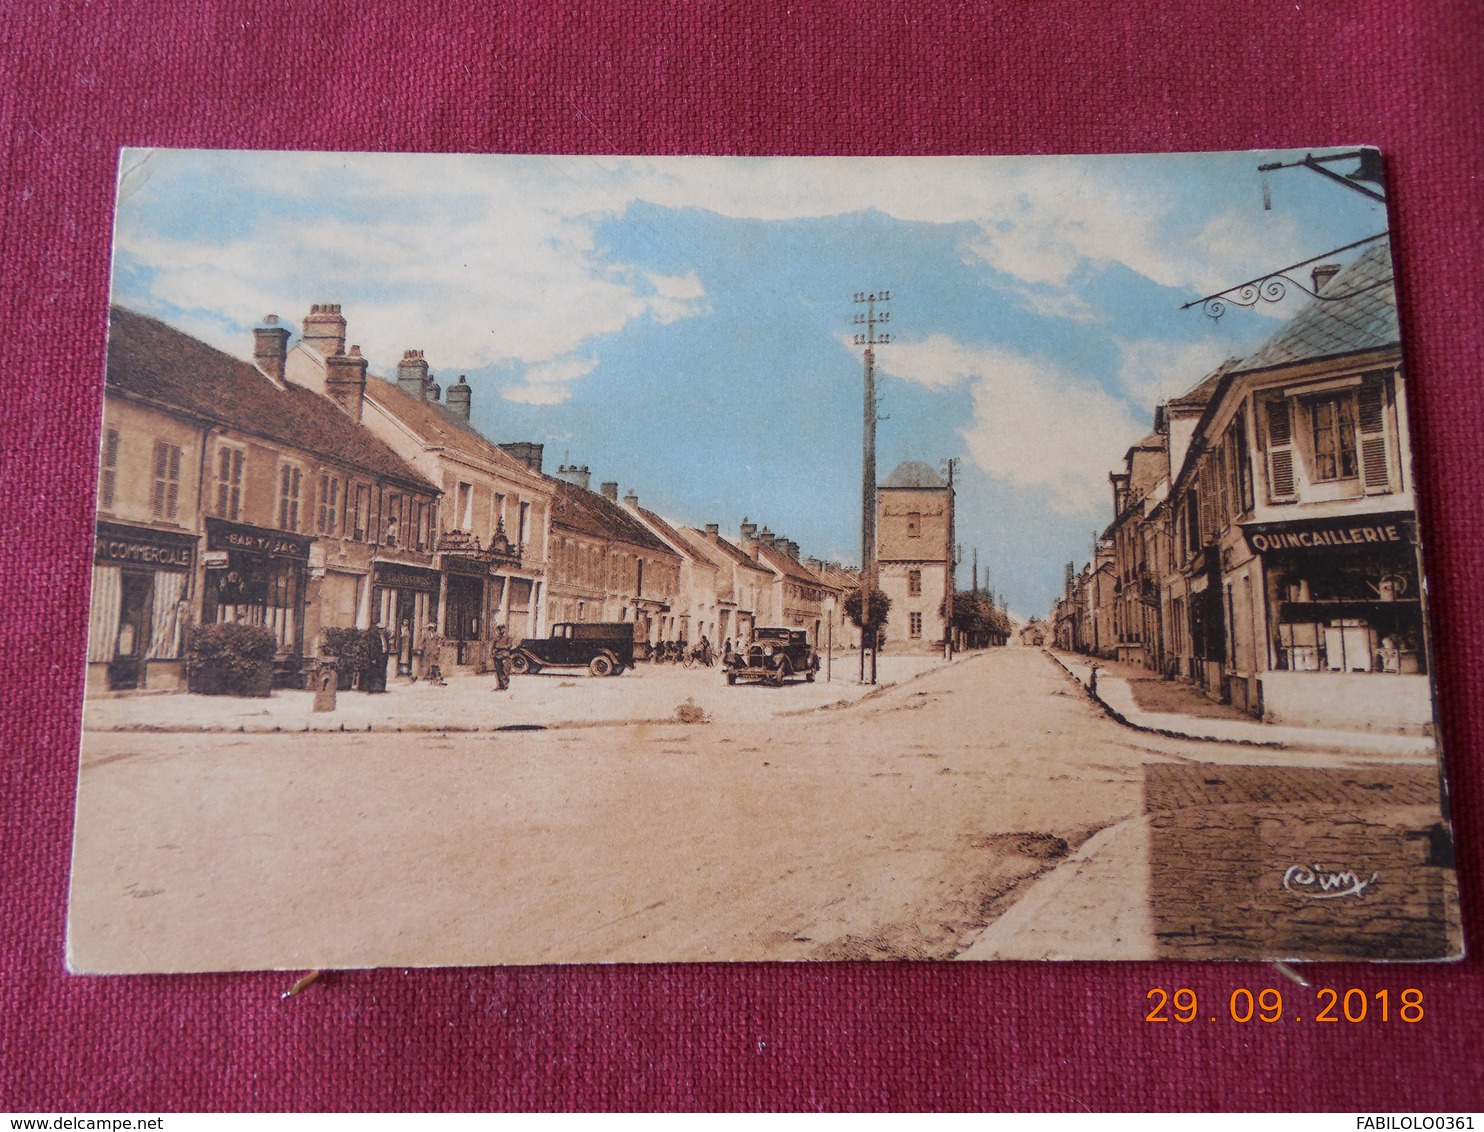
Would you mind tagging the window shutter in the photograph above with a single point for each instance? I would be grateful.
(1280, 451)
(1375, 466)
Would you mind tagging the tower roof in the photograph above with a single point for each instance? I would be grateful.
(914, 473)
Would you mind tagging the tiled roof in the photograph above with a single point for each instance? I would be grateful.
(785, 565)
(150, 359)
(913, 473)
(439, 426)
(725, 554)
(1197, 396)
(588, 513)
(674, 537)
(1355, 311)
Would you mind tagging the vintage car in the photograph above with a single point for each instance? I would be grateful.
(774, 655)
(604, 648)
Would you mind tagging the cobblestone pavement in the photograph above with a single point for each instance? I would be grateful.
(1302, 862)
(902, 826)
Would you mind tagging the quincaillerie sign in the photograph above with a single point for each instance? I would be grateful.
(1371, 531)
(133, 546)
(221, 535)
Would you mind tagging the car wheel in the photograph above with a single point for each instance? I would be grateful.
(601, 666)
(521, 664)
(731, 678)
(809, 676)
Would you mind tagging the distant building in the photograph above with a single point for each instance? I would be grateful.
(915, 555)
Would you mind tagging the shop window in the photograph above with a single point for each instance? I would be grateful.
(108, 476)
(289, 477)
(230, 465)
(914, 583)
(329, 505)
(914, 626)
(165, 503)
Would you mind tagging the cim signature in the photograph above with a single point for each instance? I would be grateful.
(1319, 883)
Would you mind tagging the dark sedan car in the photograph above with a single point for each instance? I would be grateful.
(774, 655)
(604, 648)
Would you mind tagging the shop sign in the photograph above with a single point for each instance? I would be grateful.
(458, 564)
(132, 546)
(221, 535)
(407, 578)
(1337, 534)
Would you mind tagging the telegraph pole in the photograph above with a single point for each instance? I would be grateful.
(953, 557)
(870, 340)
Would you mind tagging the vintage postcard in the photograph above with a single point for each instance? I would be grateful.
(512, 560)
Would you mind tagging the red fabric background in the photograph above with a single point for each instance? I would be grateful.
(80, 80)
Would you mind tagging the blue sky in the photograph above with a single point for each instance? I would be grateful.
(682, 325)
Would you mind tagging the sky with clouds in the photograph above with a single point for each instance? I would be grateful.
(684, 325)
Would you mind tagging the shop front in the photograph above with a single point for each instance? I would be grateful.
(405, 601)
(256, 576)
(1347, 631)
(140, 607)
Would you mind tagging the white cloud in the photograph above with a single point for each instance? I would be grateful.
(550, 383)
(491, 261)
(1152, 371)
(1034, 425)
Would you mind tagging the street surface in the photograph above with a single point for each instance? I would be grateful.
(900, 826)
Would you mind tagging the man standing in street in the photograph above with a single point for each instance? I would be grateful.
(500, 652)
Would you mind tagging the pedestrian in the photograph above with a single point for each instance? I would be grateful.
(430, 660)
(500, 655)
(373, 676)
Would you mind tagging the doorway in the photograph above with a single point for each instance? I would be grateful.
(132, 644)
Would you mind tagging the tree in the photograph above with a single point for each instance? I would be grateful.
(979, 620)
(880, 607)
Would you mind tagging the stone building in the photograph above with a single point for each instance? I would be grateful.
(915, 554)
(489, 544)
(605, 564)
(1295, 525)
(698, 609)
(227, 494)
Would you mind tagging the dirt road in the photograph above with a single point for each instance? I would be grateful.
(894, 828)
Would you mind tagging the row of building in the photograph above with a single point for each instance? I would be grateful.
(299, 492)
(1264, 541)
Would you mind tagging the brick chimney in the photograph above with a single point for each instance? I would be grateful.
(345, 380)
(749, 530)
(271, 347)
(631, 499)
(458, 398)
(324, 329)
(790, 548)
(609, 488)
(574, 475)
(527, 452)
(412, 375)
(1323, 274)
(713, 530)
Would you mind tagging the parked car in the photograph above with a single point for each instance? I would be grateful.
(604, 648)
(774, 655)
